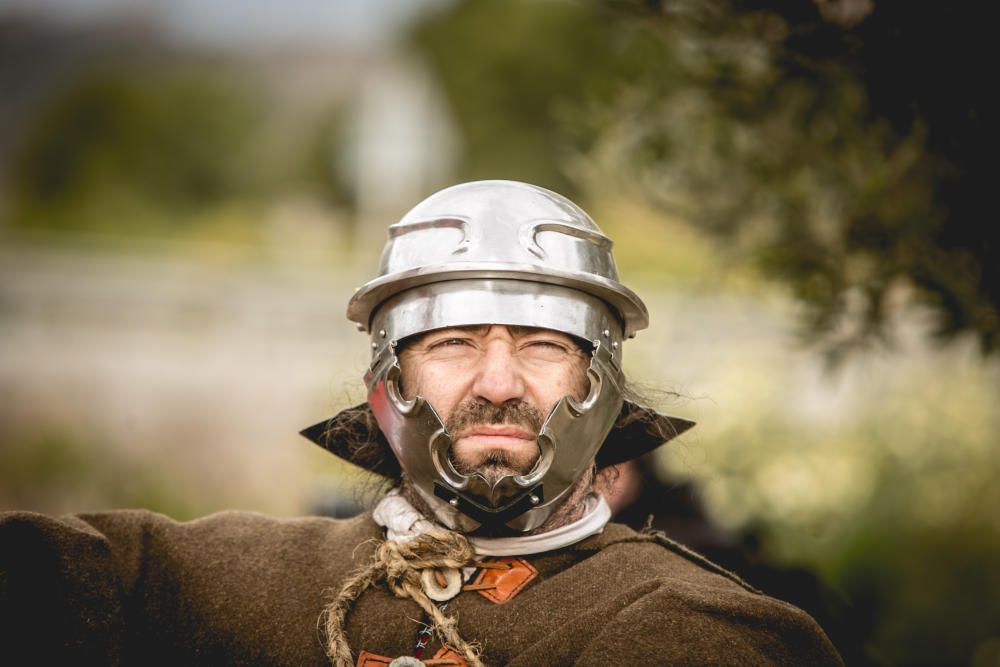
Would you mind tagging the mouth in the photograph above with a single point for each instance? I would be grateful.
(496, 436)
(494, 451)
(494, 441)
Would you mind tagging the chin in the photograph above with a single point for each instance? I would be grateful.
(495, 463)
(493, 473)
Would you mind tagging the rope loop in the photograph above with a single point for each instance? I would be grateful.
(400, 567)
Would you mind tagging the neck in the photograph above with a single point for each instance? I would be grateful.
(572, 508)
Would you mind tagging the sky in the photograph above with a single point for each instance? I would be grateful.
(244, 23)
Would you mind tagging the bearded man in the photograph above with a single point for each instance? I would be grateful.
(496, 402)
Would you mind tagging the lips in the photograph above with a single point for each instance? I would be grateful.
(509, 438)
(494, 451)
(495, 431)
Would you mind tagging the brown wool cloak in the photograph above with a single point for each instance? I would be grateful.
(136, 588)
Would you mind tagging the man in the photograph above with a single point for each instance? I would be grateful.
(496, 404)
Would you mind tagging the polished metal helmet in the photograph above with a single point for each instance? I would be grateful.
(497, 252)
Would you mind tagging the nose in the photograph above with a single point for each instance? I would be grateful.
(498, 375)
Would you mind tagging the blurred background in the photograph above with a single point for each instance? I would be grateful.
(190, 192)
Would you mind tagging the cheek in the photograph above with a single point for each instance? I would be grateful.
(411, 380)
(576, 382)
(572, 381)
(437, 387)
(580, 382)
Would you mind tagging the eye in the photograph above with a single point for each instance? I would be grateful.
(448, 342)
(548, 344)
(545, 348)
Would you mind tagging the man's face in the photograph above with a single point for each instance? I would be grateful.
(493, 386)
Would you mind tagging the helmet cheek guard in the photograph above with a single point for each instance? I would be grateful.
(505, 253)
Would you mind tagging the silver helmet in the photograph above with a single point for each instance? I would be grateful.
(497, 252)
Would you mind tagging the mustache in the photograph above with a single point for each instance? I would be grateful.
(515, 412)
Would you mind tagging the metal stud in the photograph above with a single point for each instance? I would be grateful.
(534, 499)
(453, 502)
(374, 345)
(381, 332)
(607, 333)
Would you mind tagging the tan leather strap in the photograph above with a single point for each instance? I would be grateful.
(504, 579)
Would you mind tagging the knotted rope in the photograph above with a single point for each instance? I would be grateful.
(399, 566)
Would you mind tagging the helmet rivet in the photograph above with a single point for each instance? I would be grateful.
(614, 344)
(607, 333)
(453, 502)
(361, 327)
(374, 345)
(381, 332)
(534, 499)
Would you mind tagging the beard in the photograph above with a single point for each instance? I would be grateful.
(494, 464)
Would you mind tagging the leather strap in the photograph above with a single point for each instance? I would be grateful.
(367, 659)
(502, 585)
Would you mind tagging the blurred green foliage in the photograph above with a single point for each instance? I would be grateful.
(125, 152)
(513, 87)
(170, 150)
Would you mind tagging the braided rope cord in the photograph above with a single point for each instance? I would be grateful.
(399, 566)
